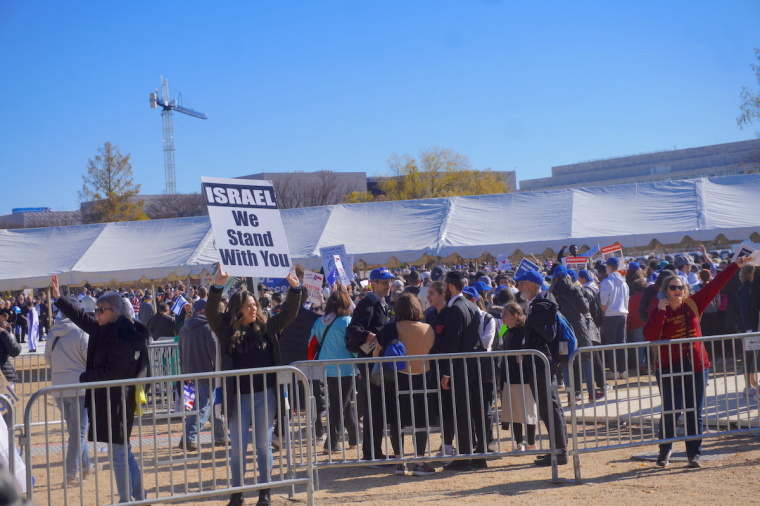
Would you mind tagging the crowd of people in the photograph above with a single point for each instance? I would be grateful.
(104, 335)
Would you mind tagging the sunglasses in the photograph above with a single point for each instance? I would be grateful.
(675, 287)
(101, 310)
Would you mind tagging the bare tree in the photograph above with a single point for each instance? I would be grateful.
(176, 206)
(318, 189)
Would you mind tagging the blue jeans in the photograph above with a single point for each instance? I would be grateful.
(77, 451)
(204, 396)
(121, 459)
(683, 393)
(264, 406)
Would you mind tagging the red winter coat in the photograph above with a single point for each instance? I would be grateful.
(671, 324)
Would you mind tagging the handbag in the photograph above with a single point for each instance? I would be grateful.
(315, 345)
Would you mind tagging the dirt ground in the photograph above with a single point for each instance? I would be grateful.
(610, 477)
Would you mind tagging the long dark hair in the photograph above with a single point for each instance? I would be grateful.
(236, 320)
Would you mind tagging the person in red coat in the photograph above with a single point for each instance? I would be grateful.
(682, 369)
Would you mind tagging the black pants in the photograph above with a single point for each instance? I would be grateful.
(342, 410)
(371, 401)
(549, 407)
(466, 398)
(406, 408)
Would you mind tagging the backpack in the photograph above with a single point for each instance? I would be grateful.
(594, 306)
(565, 341)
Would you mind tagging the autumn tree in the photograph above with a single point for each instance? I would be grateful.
(437, 172)
(750, 106)
(108, 185)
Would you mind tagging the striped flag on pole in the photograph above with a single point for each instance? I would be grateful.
(179, 304)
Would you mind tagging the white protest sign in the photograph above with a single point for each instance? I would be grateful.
(313, 283)
(577, 263)
(525, 266)
(615, 250)
(742, 250)
(504, 263)
(247, 227)
(339, 272)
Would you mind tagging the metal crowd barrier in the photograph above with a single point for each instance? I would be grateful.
(34, 374)
(430, 410)
(629, 415)
(170, 468)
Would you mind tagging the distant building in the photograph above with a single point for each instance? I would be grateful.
(707, 161)
(29, 218)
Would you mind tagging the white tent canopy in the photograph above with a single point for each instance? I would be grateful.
(406, 231)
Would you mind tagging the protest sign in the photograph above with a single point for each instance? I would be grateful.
(525, 266)
(742, 250)
(327, 260)
(313, 283)
(247, 227)
(615, 250)
(338, 273)
(504, 263)
(280, 285)
(576, 263)
(592, 251)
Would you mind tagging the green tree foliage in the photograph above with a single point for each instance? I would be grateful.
(108, 183)
(750, 106)
(437, 172)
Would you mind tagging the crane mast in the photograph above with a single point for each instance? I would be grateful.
(168, 107)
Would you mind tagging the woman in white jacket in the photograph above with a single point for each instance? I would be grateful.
(66, 355)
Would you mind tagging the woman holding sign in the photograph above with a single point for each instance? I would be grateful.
(248, 339)
(683, 369)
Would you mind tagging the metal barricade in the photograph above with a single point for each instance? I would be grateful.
(416, 415)
(631, 414)
(34, 374)
(166, 467)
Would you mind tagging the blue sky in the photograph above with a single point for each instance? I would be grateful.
(342, 85)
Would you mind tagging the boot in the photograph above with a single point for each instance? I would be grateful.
(236, 499)
(264, 498)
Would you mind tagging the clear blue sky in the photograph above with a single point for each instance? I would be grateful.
(342, 85)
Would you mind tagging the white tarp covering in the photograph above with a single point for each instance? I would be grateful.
(375, 233)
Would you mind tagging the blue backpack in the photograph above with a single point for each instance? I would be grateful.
(565, 341)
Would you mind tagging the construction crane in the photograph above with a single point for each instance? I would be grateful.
(167, 106)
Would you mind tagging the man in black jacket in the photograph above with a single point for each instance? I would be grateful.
(460, 335)
(370, 315)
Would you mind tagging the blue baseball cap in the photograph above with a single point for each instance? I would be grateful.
(613, 261)
(481, 287)
(560, 271)
(532, 276)
(470, 292)
(573, 274)
(585, 274)
(380, 273)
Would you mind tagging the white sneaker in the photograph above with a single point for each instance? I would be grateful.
(610, 375)
(400, 470)
(622, 375)
(321, 439)
(446, 451)
(749, 391)
(493, 446)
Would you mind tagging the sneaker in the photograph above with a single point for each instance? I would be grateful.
(90, 471)
(446, 451)
(331, 449)
(663, 459)
(400, 470)
(622, 375)
(611, 375)
(694, 462)
(599, 394)
(520, 447)
(749, 391)
(530, 448)
(578, 396)
(321, 439)
(276, 442)
(73, 482)
(493, 446)
(607, 387)
(422, 470)
(459, 466)
(546, 460)
(222, 442)
(188, 446)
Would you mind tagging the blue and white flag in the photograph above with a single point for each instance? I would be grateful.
(179, 304)
(593, 251)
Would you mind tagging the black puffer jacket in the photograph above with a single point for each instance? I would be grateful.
(9, 347)
(575, 308)
(117, 350)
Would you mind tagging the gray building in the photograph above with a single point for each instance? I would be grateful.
(707, 161)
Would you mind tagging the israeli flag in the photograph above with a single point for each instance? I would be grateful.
(179, 304)
(593, 251)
